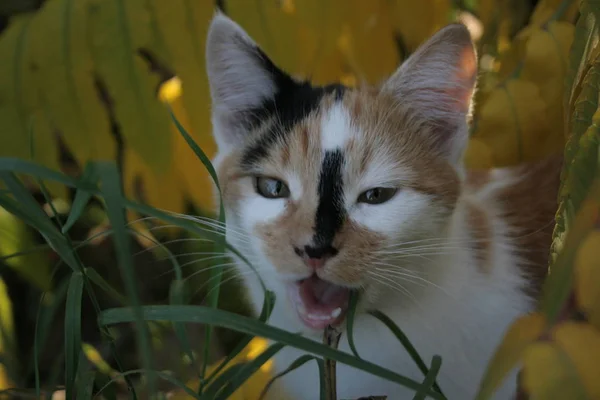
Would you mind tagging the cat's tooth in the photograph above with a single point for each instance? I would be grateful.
(336, 313)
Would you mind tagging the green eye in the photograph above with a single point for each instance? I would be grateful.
(271, 188)
(377, 195)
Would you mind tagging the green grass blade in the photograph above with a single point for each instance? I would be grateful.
(44, 318)
(99, 281)
(265, 313)
(436, 364)
(159, 374)
(322, 383)
(18, 165)
(111, 190)
(414, 354)
(85, 385)
(247, 371)
(82, 197)
(216, 274)
(211, 390)
(297, 363)
(201, 314)
(350, 321)
(73, 331)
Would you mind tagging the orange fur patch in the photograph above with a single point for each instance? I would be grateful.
(529, 207)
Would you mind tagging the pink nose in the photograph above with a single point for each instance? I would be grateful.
(315, 263)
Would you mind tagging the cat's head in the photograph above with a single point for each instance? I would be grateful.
(326, 188)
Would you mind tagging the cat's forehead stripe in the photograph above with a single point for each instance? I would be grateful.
(330, 213)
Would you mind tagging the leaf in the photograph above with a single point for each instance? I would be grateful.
(73, 331)
(403, 339)
(564, 368)
(63, 73)
(119, 29)
(545, 64)
(82, 197)
(202, 314)
(513, 122)
(244, 373)
(297, 363)
(587, 277)
(16, 238)
(6, 338)
(85, 386)
(111, 190)
(350, 321)
(521, 334)
(429, 381)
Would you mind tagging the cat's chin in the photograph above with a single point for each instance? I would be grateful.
(319, 303)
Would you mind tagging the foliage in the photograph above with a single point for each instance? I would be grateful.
(559, 345)
(84, 82)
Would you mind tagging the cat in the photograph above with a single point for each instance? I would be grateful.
(329, 189)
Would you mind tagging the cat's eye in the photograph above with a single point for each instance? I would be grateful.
(377, 195)
(271, 188)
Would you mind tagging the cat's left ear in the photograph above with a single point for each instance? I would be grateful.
(243, 81)
(438, 80)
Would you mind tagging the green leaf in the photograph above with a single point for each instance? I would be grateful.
(414, 354)
(44, 318)
(247, 371)
(436, 364)
(99, 281)
(201, 314)
(111, 189)
(350, 321)
(297, 363)
(82, 197)
(267, 308)
(216, 274)
(85, 385)
(73, 331)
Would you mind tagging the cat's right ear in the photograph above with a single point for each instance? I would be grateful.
(242, 81)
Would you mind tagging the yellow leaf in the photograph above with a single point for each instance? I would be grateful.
(118, 31)
(416, 21)
(478, 155)
(545, 64)
(252, 388)
(566, 367)
(63, 73)
(513, 123)
(373, 53)
(587, 277)
(185, 54)
(6, 328)
(548, 9)
(519, 336)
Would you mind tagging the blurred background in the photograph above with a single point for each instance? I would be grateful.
(85, 80)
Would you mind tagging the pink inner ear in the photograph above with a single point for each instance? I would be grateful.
(465, 76)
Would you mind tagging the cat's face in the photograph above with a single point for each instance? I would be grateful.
(326, 187)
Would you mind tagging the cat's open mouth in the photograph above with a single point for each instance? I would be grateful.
(319, 303)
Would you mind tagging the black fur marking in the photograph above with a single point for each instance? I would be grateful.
(293, 101)
(330, 211)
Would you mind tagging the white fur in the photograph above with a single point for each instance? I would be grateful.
(461, 316)
(336, 128)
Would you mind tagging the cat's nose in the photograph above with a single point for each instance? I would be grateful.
(316, 256)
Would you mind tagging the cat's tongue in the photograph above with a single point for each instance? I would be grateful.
(319, 303)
